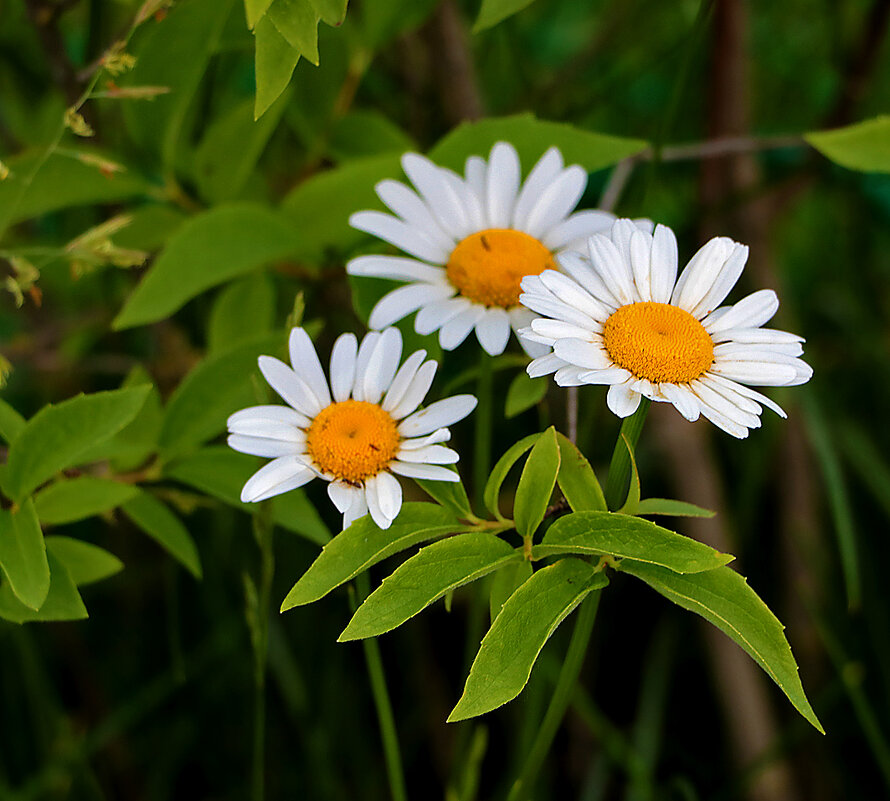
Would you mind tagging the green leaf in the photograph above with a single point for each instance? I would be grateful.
(255, 9)
(243, 310)
(577, 480)
(23, 555)
(508, 652)
(63, 602)
(499, 473)
(79, 498)
(210, 249)
(165, 528)
(536, 484)
(86, 563)
(450, 494)
(362, 134)
(221, 472)
(58, 435)
(426, 577)
(333, 12)
(11, 422)
(614, 534)
(219, 386)
(531, 137)
(297, 22)
(63, 181)
(319, 208)
(723, 598)
(364, 544)
(671, 508)
(864, 146)
(507, 580)
(633, 491)
(494, 11)
(173, 53)
(275, 63)
(523, 393)
(228, 153)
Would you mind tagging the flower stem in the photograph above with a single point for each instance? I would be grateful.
(385, 716)
(562, 696)
(484, 414)
(619, 467)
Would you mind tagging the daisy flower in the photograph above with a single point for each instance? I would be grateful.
(622, 318)
(471, 239)
(358, 433)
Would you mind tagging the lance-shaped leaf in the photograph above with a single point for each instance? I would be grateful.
(63, 602)
(210, 249)
(58, 435)
(426, 577)
(577, 480)
(451, 494)
(508, 652)
(80, 498)
(723, 597)
(668, 507)
(23, 555)
(613, 534)
(863, 146)
(364, 544)
(509, 578)
(86, 563)
(523, 393)
(536, 483)
(500, 470)
(165, 528)
(531, 137)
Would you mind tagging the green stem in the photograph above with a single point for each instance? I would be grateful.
(619, 467)
(562, 696)
(385, 716)
(484, 414)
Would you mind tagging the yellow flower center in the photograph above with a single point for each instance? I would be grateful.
(353, 440)
(488, 266)
(658, 341)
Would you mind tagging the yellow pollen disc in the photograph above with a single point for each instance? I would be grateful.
(658, 341)
(353, 440)
(488, 266)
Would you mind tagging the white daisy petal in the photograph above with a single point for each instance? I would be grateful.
(428, 472)
(750, 312)
(343, 358)
(268, 413)
(663, 265)
(761, 336)
(438, 194)
(699, 276)
(384, 493)
(556, 201)
(725, 280)
(588, 279)
(268, 429)
(569, 376)
(557, 329)
(382, 365)
(397, 268)
(475, 174)
(343, 495)
(361, 363)
(431, 454)
(611, 375)
(570, 292)
(438, 436)
(289, 386)
(403, 301)
(723, 405)
(613, 268)
(455, 331)
(683, 399)
(437, 415)
(576, 228)
(493, 331)
(306, 364)
(622, 400)
(502, 185)
(753, 394)
(357, 510)
(640, 261)
(762, 373)
(434, 315)
(588, 355)
(280, 475)
(261, 446)
(399, 233)
(405, 202)
(402, 380)
(470, 202)
(416, 391)
(544, 365)
(542, 175)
